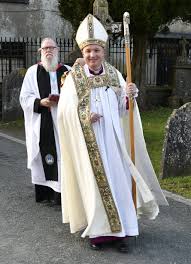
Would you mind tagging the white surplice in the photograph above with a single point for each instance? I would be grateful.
(82, 203)
(29, 92)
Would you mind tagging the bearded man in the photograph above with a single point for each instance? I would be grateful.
(39, 97)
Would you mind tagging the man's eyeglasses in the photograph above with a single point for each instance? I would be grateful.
(48, 48)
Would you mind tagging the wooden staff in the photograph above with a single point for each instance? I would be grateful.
(126, 22)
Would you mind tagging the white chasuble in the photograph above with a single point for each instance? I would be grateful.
(83, 204)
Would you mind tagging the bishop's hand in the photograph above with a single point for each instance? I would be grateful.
(132, 90)
(95, 117)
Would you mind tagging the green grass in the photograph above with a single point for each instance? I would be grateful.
(154, 123)
(179, 185)
(12, 124)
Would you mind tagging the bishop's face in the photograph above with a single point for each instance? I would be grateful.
(93, 56)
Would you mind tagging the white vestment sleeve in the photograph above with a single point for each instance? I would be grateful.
(29, 92)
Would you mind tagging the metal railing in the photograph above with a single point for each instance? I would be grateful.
(161, 55)
(23, 52)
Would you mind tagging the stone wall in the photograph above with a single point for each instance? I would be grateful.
(38, 18)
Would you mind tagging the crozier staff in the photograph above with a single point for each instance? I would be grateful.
(126, 22)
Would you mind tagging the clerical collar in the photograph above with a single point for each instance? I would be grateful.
(96, 73)
(58, 66)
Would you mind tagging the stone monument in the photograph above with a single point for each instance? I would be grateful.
(11, 86)
(176, 156)
(181, 93)
(101, 12)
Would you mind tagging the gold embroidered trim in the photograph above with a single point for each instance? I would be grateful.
(90, 26)
(91, 41)
(110, 78)
(83, 91)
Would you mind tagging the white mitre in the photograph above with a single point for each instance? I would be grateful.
(91, 31)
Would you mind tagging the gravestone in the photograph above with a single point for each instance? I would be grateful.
(181, 93)
(11, 86)
(101, 12)
(176, 156)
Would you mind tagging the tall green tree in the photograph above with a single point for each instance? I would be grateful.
(75, 10)
(146, 16)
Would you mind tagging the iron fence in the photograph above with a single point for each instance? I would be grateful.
(23, 52)
(161, 55)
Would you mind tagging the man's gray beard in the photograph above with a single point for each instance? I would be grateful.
(50, 64)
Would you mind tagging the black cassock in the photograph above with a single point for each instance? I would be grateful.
(47, 142)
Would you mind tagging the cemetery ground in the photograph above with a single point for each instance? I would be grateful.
(154, 122)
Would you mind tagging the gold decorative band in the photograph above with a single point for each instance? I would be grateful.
(83, 88)
(91, 42)
(90, 26)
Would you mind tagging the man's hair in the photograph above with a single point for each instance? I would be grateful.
(45, 39)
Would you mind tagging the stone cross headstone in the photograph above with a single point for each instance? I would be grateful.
(11, 86)
(176, 156)
(101, 12)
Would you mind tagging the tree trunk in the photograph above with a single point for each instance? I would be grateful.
(139, 67)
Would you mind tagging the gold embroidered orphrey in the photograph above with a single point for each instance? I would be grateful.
(90, 27)
(83, 85)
